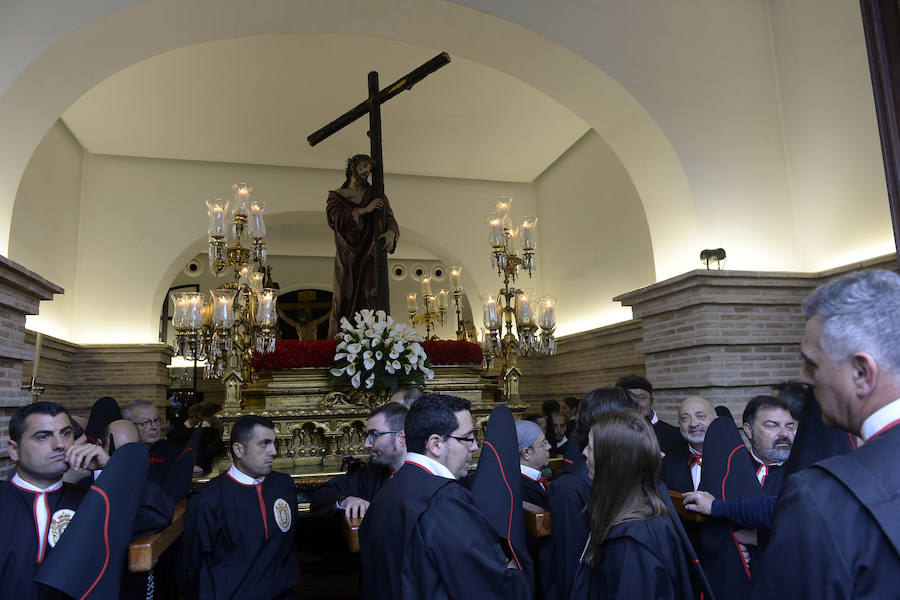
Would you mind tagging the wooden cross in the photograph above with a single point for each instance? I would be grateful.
(372, 106)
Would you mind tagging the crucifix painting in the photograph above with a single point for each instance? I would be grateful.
(358, 212)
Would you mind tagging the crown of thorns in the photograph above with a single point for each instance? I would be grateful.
(357, 158)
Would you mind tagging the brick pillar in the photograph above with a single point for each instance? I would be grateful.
(21, 292)
(723, 335)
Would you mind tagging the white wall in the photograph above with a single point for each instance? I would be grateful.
(46, 224)
(837, 174)
(595, 243)
(143, 219)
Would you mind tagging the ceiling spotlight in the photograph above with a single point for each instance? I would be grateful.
(716, 255)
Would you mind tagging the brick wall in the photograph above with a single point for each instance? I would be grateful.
(583, 361)
(21, 292)
(76, 376)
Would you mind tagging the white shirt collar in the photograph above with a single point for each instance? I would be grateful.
(880, 419)
(241, 478)
(653, 418)
(762, 462)
(562, 441)
(530, 473)
(429, 464)
(33, 488)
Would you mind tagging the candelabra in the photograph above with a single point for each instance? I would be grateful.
(238, 317)
(465, 329)
(435, 308)
(512, 306)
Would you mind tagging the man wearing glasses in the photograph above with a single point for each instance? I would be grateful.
(386, 443)
(423, 536)
(163, 453)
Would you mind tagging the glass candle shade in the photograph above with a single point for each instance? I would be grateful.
(524, 309)
(189, 310)
(496, 235)
(242, 193)
(547, 313)
(504, 203)
(512, 234)
(411, 301)
(442, 300)
(255, 222)
(266, 314)
(256, 281)
(216, 211)
(491, 314)
(529, 241)
(429, 304)
(223, 308)
(426, 286)
(455, 275)
(244, 275)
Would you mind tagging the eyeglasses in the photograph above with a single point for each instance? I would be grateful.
(147, 424)
(371, 436)
(464, 440)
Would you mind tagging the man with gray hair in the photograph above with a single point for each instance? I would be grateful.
(163, 453)
(837, 524)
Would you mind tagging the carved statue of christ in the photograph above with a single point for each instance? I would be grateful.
(353, 214)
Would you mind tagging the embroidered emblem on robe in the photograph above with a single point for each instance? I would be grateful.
(58, 523)
(282, 515)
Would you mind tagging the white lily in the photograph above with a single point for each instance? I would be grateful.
(370, 381)
(354, 381)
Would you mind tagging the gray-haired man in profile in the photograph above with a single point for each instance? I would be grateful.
(837, 524)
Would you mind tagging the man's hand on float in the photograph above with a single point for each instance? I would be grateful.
(354, 507)
(700, 502)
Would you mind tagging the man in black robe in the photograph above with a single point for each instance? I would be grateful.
(240, 526)
(682, 466)
(351, 211)
(35, 504)
(353, 492)
(145, 416)
(534, 454)
(668, 436)
(770, 424)
(837, 523)
(423, 537)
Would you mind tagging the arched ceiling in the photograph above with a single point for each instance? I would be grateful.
(255, 99)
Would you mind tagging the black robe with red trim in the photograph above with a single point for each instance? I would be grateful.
(540, 549)
(163, 455)
(569, 496)
(637, 560)
(423, 537)
(363, 483)
(19, 558)
(236, 543)
(837, 528)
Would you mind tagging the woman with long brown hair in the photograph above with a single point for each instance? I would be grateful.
(633, 550)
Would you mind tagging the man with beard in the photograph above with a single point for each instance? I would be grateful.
(836, 523)
(770, 425)
(351, 213)
(681, 468)
(239, 528)
(386, 443)
(423, 536)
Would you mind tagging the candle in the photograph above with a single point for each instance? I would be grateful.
(503, 205)
(241, 191)
(528, 238)
(244, 275)
(426, 286)
(547, 316)
(495, 230)
(411, 302)
(491, 315)
(38, 340)
(442, 300)
(255, 219)
(455, 273)
(265, 311)
(256, 281)
(216, 210)
(524, 311)
(223, 308)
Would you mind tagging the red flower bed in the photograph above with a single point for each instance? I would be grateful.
(291, 354)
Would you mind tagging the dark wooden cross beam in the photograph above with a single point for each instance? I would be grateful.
(372, 106)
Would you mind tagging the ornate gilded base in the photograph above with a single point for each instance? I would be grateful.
(316, 425)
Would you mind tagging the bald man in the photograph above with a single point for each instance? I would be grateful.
(681, 468)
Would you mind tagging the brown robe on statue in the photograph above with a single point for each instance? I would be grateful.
(354, 257)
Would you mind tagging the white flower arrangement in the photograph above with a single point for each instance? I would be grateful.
(379, 352)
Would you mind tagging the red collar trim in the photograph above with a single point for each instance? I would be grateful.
(245, 484)
(882, 430)
(415, 464)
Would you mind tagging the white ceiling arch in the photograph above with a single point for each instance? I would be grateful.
(124, 34)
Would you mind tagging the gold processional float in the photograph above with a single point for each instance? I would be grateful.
(319, 393)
